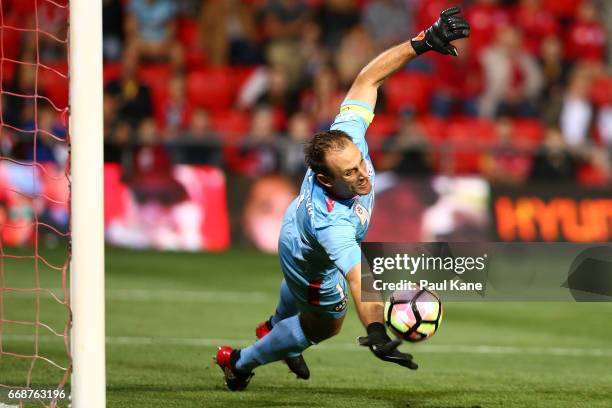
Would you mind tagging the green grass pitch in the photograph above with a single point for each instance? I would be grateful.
(166, 312)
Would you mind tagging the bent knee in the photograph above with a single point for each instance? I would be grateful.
(318, 329)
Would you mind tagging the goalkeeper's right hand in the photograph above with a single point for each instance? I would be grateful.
(383, 347)
(449, 27)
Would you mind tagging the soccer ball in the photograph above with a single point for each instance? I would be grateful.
(413, 315)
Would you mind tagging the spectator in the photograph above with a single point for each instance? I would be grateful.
(200, 144)
(279, 95)
(227, 28)
(553, 162)
(459, 84)
(535, 22)
(576, 109)
(150, 176)
(323, 101)
(336, 18)
(150, 28)
(356, 50)
(258, 155)
(506, 163)
(314, 55)
(113, 36)
(387, 22)
(587, 36)
(284, 20)
(132, 97)
(299, 132)
(177, 108)
(555, 72)
(485, 17)
(512, 77)
(51, 20)
(598, 169)
(283, 23)
(408, 153)
(604, 125)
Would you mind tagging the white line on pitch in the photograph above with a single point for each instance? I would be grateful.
(338, 346)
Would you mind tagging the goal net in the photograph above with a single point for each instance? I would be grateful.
(35, 317)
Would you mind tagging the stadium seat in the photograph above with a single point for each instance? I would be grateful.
(156, 77)
(11, 39)
(408, 91)
(241, 74)
(155, 74)
(433, 127)
(383, 127)
(590, 176)
(562, 8)
(211, 89)
(111, 72)
(468, 137)
(188, 32)
(527, 133)
(54, 85)
(232, 125)
(23, 8)
(601, 91)
(8, 72)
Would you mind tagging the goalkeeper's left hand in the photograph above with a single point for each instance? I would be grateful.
(449, 27)
(384, 348)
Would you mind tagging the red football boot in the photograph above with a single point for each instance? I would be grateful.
(235, 380)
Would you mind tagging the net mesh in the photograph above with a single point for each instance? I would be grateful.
(34, 199)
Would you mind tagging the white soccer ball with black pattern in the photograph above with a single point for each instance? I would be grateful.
(413, 315)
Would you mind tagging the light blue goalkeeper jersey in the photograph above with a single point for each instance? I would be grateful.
(320, 236)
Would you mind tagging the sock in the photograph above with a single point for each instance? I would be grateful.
(286, 337)
(286, 308)
(286, 305)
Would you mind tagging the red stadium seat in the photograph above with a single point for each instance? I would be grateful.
(232, 125)
(472, 131)
(188, 32)
(561, 8)
(469, 136)
(155, 75)
(383, 126)
(11, 39)
(8, 71)
(527, 133)
(601, 91)
(211, 89)
(54, 83)
(111, 72)
(433, 127)
(591, 176)
(241, 74)
(408, 90)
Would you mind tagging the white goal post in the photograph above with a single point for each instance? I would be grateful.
(87, 213)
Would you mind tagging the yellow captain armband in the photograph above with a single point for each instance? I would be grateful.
(364, 113)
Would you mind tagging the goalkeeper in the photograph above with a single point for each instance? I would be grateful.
(322, 228)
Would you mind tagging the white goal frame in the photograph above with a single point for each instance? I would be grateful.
(87, 339)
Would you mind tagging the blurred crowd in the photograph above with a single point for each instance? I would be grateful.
(242, 84)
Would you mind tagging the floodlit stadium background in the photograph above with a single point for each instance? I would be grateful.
(207, 104)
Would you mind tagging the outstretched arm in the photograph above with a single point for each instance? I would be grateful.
(449, 27)
(366, 84)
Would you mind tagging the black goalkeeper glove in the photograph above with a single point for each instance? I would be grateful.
(449, 27)
(384, 348)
